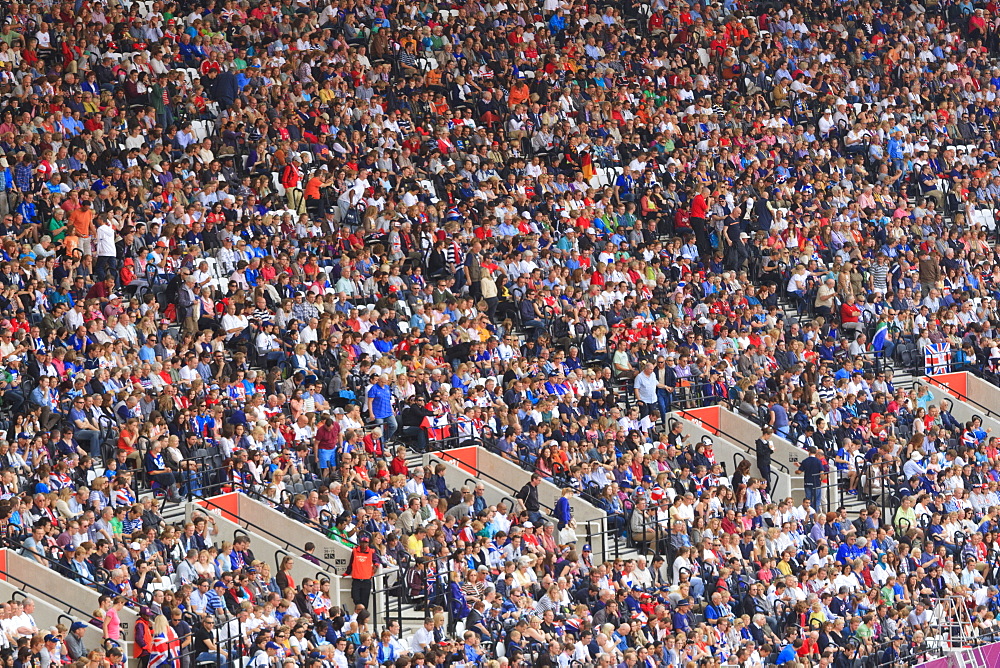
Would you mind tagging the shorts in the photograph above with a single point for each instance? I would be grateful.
(326, 458)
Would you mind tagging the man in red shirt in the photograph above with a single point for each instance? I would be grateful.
(291, 179)
(326, 444)
(850, 315)
(699, 216)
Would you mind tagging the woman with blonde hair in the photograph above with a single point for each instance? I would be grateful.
(204, 566)
(165, 646)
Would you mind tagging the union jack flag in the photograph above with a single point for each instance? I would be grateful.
(163, 651)
(937, 358)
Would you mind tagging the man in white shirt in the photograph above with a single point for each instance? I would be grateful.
(641, 575)
(189, 372)
(339, 653)
(267, 343)
(415, 485)
(227, 257)
(423, 639)
(304, 432)
(74, 316)
(501, 521)
(106, 251)
(821, 558)
(310, 332)
(7, 634)
(24, 623)
(124, 329)
(232, 322)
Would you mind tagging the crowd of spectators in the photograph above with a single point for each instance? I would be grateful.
(274, 246)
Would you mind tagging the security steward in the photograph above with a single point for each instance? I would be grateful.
(361, 568)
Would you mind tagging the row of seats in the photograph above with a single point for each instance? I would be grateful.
(984, 218)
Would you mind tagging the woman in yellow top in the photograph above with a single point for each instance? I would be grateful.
(905, 519)
(784, 565)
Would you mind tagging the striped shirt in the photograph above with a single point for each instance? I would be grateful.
(880, 274)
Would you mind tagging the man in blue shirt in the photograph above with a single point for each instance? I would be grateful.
(84, 431)
(380, 406)
(849, 551)
(214, 601)
(680, 616)
(812, 470)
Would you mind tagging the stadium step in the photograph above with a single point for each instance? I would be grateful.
(414, 459)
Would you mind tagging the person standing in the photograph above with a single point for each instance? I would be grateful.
(700, 205)
(529, 497)
(107, 251)
(666, 384)
(645, 389)
(474, 271)
(380, 406)
(325, 445)
(361, 568)
(291, 180)
(765, 448)
(812, 468)
(164, 650)
(82, 221)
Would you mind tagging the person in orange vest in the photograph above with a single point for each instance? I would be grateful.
(143, 637)
(361, 568)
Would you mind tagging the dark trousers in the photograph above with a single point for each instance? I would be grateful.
(418, 434)
(165, 480)
(701, 238)
(361, 592)
(106, 265)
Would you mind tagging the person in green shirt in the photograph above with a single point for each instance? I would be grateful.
(338, 532)
(117, 521)
(8, 34)
(865, 630)
(888, 593)
(626, 216)
(58, 225)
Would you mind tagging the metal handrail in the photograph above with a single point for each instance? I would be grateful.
(961, 397)
(59, 568)
(280, 541)
(479, 473)
(732, 439)
(739, 457)
(48, 596)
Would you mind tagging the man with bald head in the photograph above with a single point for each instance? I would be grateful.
(380, 408)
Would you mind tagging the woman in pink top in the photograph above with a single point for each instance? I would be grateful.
(112, 622)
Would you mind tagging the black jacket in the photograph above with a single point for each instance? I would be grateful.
(529, 495)
(413, 415)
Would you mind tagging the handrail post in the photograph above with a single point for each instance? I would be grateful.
(617, 545)
(656, 539)
(374, 598)
(399, 600)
